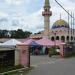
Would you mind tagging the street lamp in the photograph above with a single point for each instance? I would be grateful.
(54, 38)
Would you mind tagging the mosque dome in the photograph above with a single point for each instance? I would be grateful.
(60, 24)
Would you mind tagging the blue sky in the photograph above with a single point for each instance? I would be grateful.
(27, 14)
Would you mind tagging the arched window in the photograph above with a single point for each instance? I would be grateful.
(71, 37)
(52, 38)
(67, 38)
(57, 37)
(74, 38)
(63, 38)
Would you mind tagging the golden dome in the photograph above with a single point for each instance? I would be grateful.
(60, 23)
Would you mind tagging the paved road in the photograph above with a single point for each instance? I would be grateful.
(40, 60)
(52, 66)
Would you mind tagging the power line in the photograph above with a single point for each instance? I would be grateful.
(64, 9)
(68, 24)
(73, 23)
(72, 18)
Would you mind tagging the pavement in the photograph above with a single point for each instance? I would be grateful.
(43, 65)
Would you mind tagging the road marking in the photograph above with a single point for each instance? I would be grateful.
(34, 65)
(48, 62)
(13, 71)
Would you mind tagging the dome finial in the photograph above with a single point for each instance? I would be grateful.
(47, 3)
(60, 16)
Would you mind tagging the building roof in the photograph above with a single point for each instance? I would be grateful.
(60, 24)
(30, 42)
(12, 42)
(45, 42)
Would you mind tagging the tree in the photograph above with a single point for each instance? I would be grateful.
(20, 34)
(14, 34)
(27, 34)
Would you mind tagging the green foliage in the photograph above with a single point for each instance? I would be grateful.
(14, 34)
(19, 72)
(5, 69)
(52, 51)
(3, 33)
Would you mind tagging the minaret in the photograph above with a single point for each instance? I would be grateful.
(46, 13)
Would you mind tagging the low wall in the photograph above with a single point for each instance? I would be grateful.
(23, 55)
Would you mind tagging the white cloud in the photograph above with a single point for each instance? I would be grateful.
(15, 2)
(34, 21)
(3, 14)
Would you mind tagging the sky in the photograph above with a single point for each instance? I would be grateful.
(27, 14)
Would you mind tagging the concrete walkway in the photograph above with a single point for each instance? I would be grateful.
(55, 67)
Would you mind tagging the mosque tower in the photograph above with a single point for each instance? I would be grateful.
(46, 13)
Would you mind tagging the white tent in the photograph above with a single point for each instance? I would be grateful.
(12, 42)
(0, 43)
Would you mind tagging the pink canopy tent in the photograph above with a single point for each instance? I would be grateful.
(48, 42)
(30, 42)
(57, 42)
(24, 40)
(45, 42)
(27, 42)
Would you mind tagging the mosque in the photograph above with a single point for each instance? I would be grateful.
(60, 30)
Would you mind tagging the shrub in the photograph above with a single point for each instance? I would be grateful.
(9, 68)
(52, 51)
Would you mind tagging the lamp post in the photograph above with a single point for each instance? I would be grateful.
(55, 39)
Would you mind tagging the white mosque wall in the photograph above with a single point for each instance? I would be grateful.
(62, 32)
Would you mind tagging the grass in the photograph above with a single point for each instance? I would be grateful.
(24, 72)
(18, 70)
(9, 68)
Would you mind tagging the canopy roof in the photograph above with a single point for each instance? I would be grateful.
(30, 42)
(45, 41)
(33, 43)
(12, 42)
(57, 42)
